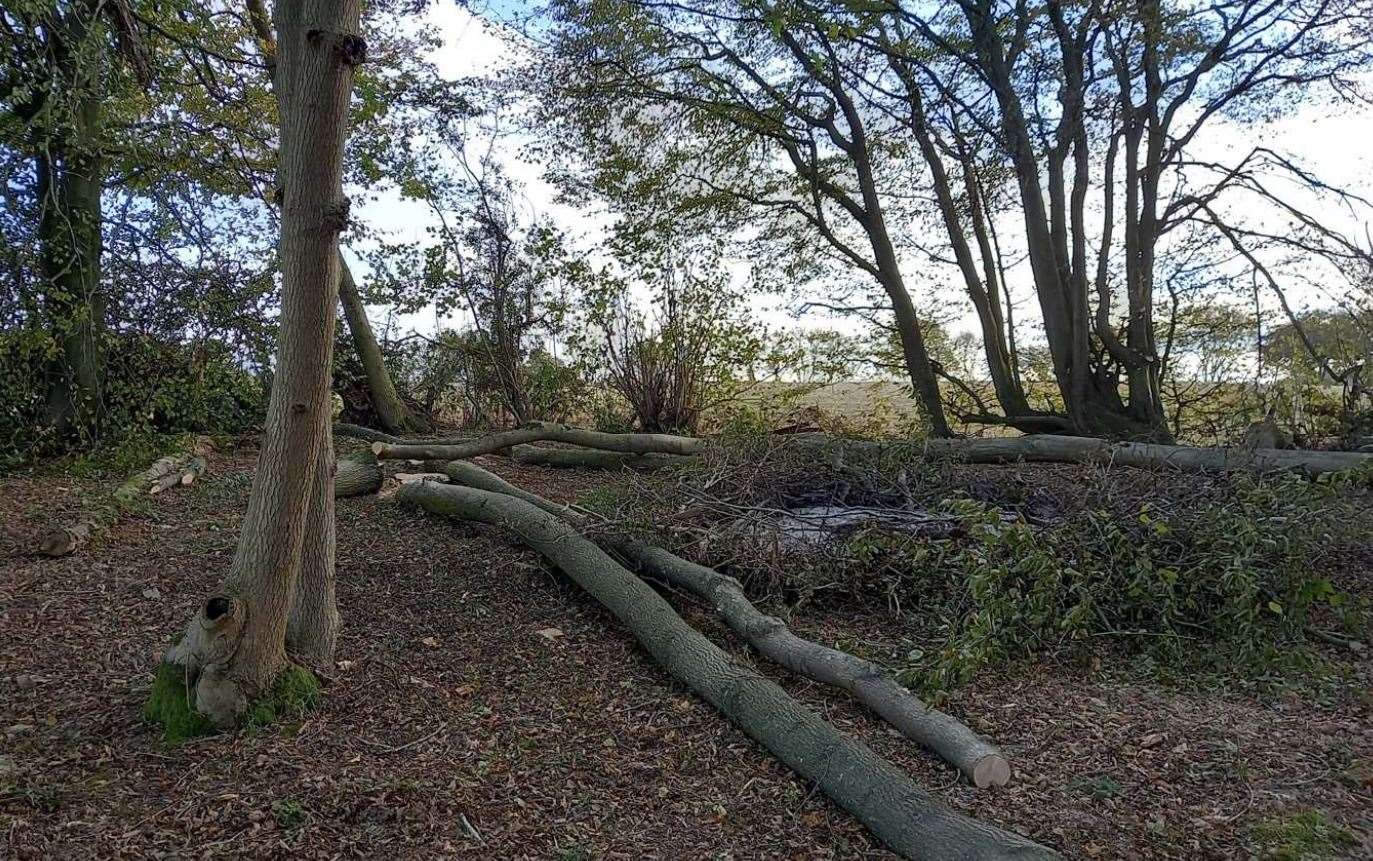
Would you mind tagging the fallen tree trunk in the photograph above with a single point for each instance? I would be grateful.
(628, 443)
(905, 817)
(357, 474)
(391, 411)
(1051, 448)
(585, 458)
(364, 433)
(977, 759)
(458, 451)
(171, 470)
(373, 435)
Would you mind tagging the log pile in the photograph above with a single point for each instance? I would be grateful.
(903, 815)
(653, 450)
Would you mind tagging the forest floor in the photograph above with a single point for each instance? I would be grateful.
(483, 707)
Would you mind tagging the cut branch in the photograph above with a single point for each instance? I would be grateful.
(580, 458)
(907, 818)
(629, 443)
(976, 758)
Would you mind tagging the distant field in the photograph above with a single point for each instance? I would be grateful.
(876, 406)
(883, 407)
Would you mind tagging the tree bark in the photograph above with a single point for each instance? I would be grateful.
(313, 624)
(391, 411)
(356, 475)
(70, 183)
(977, 759)
(575, 458)
(236, 645)
(628, 443)
(901, 814)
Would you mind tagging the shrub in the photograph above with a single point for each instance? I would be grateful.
(150, 387)
(1237, 575)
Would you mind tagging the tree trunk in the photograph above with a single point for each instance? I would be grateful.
(236, 645)
(70, 220)
(901, 814)
(629, 443)
(394, 415)
(575, 458)
(974, 757)
(312, 627)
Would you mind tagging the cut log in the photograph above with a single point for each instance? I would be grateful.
(628, 443)
(183, 475)
(907, 818)
(412, 477)
(170, 470)
(1052, 448)
(977, 759)
(585, 458)
(66, 540)
(357, 474)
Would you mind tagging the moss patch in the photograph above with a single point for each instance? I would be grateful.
(171, 704)
(294, 692)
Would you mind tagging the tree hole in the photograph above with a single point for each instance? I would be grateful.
(217, 606)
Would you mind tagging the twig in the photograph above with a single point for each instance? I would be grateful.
(408, 744)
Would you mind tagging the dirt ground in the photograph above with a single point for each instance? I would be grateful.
(457, 724)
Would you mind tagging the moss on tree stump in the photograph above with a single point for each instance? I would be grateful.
(171, 703)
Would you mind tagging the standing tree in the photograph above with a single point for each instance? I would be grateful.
(55, 87)
(392, 413)
(278, 594)
(1074, 124)
(717, 117)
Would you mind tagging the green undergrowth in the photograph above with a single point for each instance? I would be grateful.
(1305, 836)
(1188, 580)
(171, 704)
(1226, 589)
